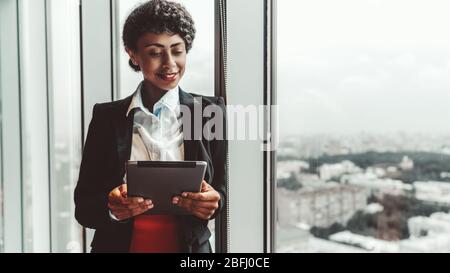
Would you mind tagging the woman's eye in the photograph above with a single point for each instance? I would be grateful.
(155, 54)
(177, 53)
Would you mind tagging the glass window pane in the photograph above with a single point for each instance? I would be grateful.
(65, 112)
(34, 124)
(126, 79)
(199, 77)
(365, 164)
(10, 197)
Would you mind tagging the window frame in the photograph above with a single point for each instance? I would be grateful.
(270, 99)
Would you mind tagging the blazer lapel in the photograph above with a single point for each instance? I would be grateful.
(191, 153)
(190, 144)
(124, 131)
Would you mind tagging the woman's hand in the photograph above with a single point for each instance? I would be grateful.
(123, 207)
(202, 204)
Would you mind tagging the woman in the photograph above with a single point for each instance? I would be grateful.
(147, 126)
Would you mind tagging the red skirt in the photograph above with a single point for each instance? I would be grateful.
(156, 234)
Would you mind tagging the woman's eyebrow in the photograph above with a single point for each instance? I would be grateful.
(154, 44)
(160, 45)
(177, 44)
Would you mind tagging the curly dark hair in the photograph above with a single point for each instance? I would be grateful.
(158, 16)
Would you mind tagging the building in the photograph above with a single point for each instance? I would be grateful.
(428, 234)
(406, 164)
(328, 171)
(420, 226)
(365, 242)
(434, 192)
(377, 186)
(286, 168)
(319, 206)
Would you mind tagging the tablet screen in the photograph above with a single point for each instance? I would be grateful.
(160, 181)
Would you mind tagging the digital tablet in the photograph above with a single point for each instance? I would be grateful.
(160, 181)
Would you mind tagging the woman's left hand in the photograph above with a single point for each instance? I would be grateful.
(202, 204)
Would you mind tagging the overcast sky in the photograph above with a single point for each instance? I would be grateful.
(363, 65)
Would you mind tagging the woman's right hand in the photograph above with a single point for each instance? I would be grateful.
(123, 207)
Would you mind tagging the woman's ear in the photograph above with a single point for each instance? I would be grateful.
(132, 56)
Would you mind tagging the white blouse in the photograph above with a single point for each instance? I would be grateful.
(158, 135)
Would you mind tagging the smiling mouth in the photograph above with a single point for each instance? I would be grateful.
(169, 77)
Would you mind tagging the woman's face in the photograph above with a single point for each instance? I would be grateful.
(162, 59)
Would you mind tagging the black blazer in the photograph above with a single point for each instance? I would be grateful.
(108, 147)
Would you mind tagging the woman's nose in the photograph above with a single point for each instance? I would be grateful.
(169, 61)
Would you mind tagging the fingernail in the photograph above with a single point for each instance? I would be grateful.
(184, 194)
(150, 206)
(175, 200)
(140, 200)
